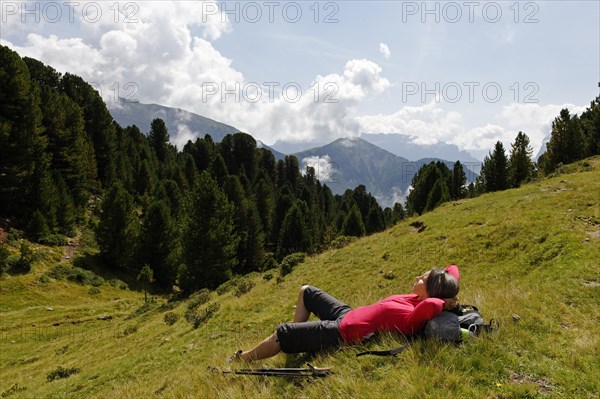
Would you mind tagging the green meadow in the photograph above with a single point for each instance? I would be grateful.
(529, 258)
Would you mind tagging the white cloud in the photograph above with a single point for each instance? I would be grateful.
(534, 120)
(430, 123)
(349, 142)
(427, 124)
(395, 196)
(182, 136)
(324, 168)
(169, 57)
(385, 50)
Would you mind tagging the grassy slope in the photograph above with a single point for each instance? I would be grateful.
(533, 251)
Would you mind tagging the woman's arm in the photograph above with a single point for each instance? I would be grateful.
(425, 311)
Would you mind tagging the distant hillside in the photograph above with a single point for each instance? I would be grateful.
(182, 125)
(128, 113)
(528, 258)
(346, 163)
(403, 146)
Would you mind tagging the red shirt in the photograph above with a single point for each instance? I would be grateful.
(405, 314)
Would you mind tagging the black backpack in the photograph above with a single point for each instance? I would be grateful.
(448, 325)
(471, 319)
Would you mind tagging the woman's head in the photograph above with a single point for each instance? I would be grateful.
(436, 283)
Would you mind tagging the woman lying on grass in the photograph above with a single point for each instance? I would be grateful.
(433, 292)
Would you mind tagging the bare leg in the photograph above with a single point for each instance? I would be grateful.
(302, 314)
(267, 348)
(270, 347)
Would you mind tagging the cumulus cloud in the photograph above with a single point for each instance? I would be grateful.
(166, 53)
(324, 169)
(163, 52)
(535, 120)
(430, 124)
(182, 136)
(427, 124)
(396, 195)
(385, 50)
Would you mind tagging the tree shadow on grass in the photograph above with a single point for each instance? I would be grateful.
(95, 264)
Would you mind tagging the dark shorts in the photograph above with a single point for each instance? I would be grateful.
(312, 336)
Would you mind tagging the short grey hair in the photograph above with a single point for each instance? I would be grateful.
(441, 284)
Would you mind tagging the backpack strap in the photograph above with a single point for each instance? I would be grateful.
(390, 352)
(492, 326)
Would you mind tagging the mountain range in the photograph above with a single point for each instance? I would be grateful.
(342, 164)
(348, 162)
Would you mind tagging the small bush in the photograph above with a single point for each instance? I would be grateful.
(130, 330)
(53, 240)
(115, 282)
(61, 372)
(202, 316)
(243, 286)
(288, 263)
(146, 307)
(81, 276)
(226, 286)
(94, 291)
(23, 264)
(268, 276)
(207, 313)
(16, 388)
(198, 298)
(171, 318)
(4, 256)
(341, 241)
(269, 263)
(14, 234)
(44, 279)
(59, 272)
(167, 306)
(96, 281)
(389, 275)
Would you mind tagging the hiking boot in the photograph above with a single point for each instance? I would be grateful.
(237, 356)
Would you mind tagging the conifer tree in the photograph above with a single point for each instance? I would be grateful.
(266, 162)
(21, 143)
(236, 195)
(520, 166)
(566, 143)
(494, 171)
(265, 205)
(65, 211)
(117, 228)
(421, 199)
(294, 233)
(98, 124)
(353, 225)
(158, 138)
(219, 170)
(590, 122)
(438, 194)
(458, 181)
(209, 240)
(145, 276)
(157, 242)
(291, 171)
(375, 220)
(283, 204)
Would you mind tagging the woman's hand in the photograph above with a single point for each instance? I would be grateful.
(450, 303)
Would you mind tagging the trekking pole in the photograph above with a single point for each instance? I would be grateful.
(309, 371)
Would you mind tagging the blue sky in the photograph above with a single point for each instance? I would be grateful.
(467, 73)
